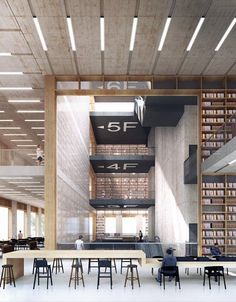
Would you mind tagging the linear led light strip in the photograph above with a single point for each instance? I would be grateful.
(226, 34)
(232, 162)
(199, 25)
(5, 54)
(15, 134)
(34, 120)
(16, 88)
(23, 101)
(163, 37)
(133, 34)
(6, 120)
(11, 72)
(71, 33)
(40, 33)
(102, 33)
(30, 111)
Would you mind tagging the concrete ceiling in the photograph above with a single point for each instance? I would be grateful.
(19, 37)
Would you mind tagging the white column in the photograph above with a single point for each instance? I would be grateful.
(119, 223)
(27, 222)
(13, 220)
(38, 223)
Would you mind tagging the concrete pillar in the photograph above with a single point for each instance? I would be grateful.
(27, 221)
(38, 223)
(13, 220)
(151, 223)
(119, 223)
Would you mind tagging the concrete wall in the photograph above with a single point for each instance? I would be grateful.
(176, 203)
(73, 168)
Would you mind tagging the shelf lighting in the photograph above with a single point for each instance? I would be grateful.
(226, 34)
(37, 128)
(163, 37)
(71, 33)
(16, 88)
(133, 34)
(21, 140)
(194, 36)
(102, 33)
(34, 120)
(40, 33)
(10, 128)
(26, 145)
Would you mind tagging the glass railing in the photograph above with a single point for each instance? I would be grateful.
(221, 135)
(16, 157)
(121, 150)
(140, 193)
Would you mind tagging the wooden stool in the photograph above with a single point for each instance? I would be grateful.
(7, 275)
(132, 278)
(123, 263)
(76, 274)
(58, 265)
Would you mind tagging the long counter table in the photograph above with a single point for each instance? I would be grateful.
(17, 257)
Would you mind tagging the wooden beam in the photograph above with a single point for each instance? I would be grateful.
(50, 162)
(127, 92)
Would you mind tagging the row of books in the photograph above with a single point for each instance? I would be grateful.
(213, 185)
(213, 120)
(212, 144)
(213, 217)
(213, 233)
(211, 111)
(213, 192)
(207, 201)
(212, 241)
(232, 217)
(209, 128)
(213, 95)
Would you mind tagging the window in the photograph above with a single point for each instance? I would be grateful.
(32, 224)
(110, 225)
(4, 223)
(129, 225)
(21, 221)
(42, 224)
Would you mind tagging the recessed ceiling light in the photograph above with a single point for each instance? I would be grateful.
(21, 140)
(40, 134)
(199, 25)
(15, 134)
(102, 33)
(133, 34)
(163, 37)
(38, 128)
(26, 145)
(6, 120)
(23, 101)
(30, 111)
(71, 33)
(226, 34)
(2, 111)
(34, 120)
(11, 72)
(40, 33)
(10, 128)
(16, 88)
(5, 54)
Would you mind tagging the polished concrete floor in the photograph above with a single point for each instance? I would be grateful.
(191, 288)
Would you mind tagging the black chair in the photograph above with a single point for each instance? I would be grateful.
(34, 263)
(103, 265)
(170, 271)
(76, 273)
(131, 268)
(7, 275)
(42, 270)
(92, 263)
(216, 272)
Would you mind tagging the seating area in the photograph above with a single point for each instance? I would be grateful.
(24, 244)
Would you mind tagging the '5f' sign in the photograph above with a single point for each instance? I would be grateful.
(117, 126)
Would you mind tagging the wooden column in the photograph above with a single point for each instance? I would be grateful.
(50, 177)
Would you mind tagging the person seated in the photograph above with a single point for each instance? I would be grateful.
(215, 250)
(168, 260)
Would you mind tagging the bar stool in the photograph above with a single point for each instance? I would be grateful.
(34, 264)
(131, 268)
(7, 275)
(123, 263)
(76, 273)
(57, 265)
(106, 264)
(90, 264)
(78, 261)
(45, 273)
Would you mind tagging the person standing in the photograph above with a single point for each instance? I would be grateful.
(140, 234)
(39, 155)
(20, 235)
(79, 243)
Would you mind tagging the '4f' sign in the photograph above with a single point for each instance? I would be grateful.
(117, 126)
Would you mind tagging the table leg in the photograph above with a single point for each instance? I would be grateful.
(18, 266)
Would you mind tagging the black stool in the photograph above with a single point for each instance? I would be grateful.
(216, 272)
(46, 271)
(106, 264)
(131, 268)
(34, 263)
(7, 275)
(76, 273)
(124, 263)
(90, 264)
(57, 265)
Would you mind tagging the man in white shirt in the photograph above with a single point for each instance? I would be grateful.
(79, 244)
